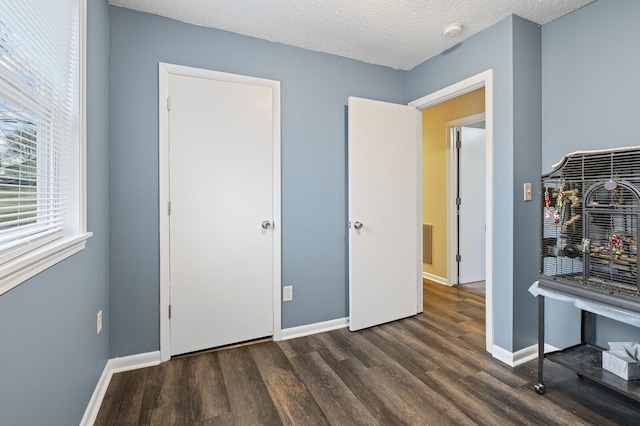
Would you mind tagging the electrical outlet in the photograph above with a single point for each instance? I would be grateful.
(99, 322)
(287, 293)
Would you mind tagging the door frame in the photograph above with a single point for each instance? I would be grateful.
(483, 79)
(164, 72)
(452, 177)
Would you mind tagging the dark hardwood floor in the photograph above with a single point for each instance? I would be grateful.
(428, 369)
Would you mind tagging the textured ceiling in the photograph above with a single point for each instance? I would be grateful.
(395, 33)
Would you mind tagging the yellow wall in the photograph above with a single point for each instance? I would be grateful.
(434, 166)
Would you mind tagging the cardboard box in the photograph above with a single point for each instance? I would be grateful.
(622, 360)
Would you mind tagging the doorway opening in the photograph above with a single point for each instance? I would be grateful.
(484, 79)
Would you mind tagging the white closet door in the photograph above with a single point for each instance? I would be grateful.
(221, 174)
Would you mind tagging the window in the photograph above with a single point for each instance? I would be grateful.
(42, 196)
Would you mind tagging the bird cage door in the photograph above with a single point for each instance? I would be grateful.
(612, 210)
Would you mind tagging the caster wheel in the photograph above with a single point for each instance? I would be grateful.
(539, 388)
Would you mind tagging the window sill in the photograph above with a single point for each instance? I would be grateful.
(26, 266)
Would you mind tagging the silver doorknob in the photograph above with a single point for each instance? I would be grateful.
(358, 225)
(266, 224)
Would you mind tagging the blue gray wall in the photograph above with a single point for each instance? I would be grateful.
(516, 156)
(50, 356)
(590, 99)
(315, 88)
(527, 152)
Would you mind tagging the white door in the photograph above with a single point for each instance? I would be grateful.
(220, 191)
(471, 232)
(384, 212)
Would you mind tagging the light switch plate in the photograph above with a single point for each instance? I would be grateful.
(99, 322)
(527, 191)
(287, 295)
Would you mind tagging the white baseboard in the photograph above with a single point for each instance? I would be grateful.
(91, 412)
(133, 362)
(115, 365)
(318, 327)
(435, 278)
(514, 359)
(549, 348)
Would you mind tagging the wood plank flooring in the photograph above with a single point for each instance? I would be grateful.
(427, 369)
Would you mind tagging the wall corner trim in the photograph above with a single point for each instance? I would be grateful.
(115, 365)
(513, 359)
(318, 327)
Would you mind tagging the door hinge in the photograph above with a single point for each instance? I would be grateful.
(458, 258)
(169, 311)
(458, 201)
(458, 144)
(168, 103)
(169, 208)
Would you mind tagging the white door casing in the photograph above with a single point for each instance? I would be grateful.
(483, 79)
(385, 266)
(219, 167)
(471, 234)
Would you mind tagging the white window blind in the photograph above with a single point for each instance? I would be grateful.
(39, 121)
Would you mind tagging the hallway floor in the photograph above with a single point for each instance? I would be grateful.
(477, 287)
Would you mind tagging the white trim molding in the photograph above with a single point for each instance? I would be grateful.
(435, 278)
(32, 263)
(483, 79)
(513, 359)
(318, 327)
(113, 366)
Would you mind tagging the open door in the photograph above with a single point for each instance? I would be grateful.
(385, 269)
(471, 220)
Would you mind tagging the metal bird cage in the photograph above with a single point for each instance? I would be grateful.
(590, 212)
